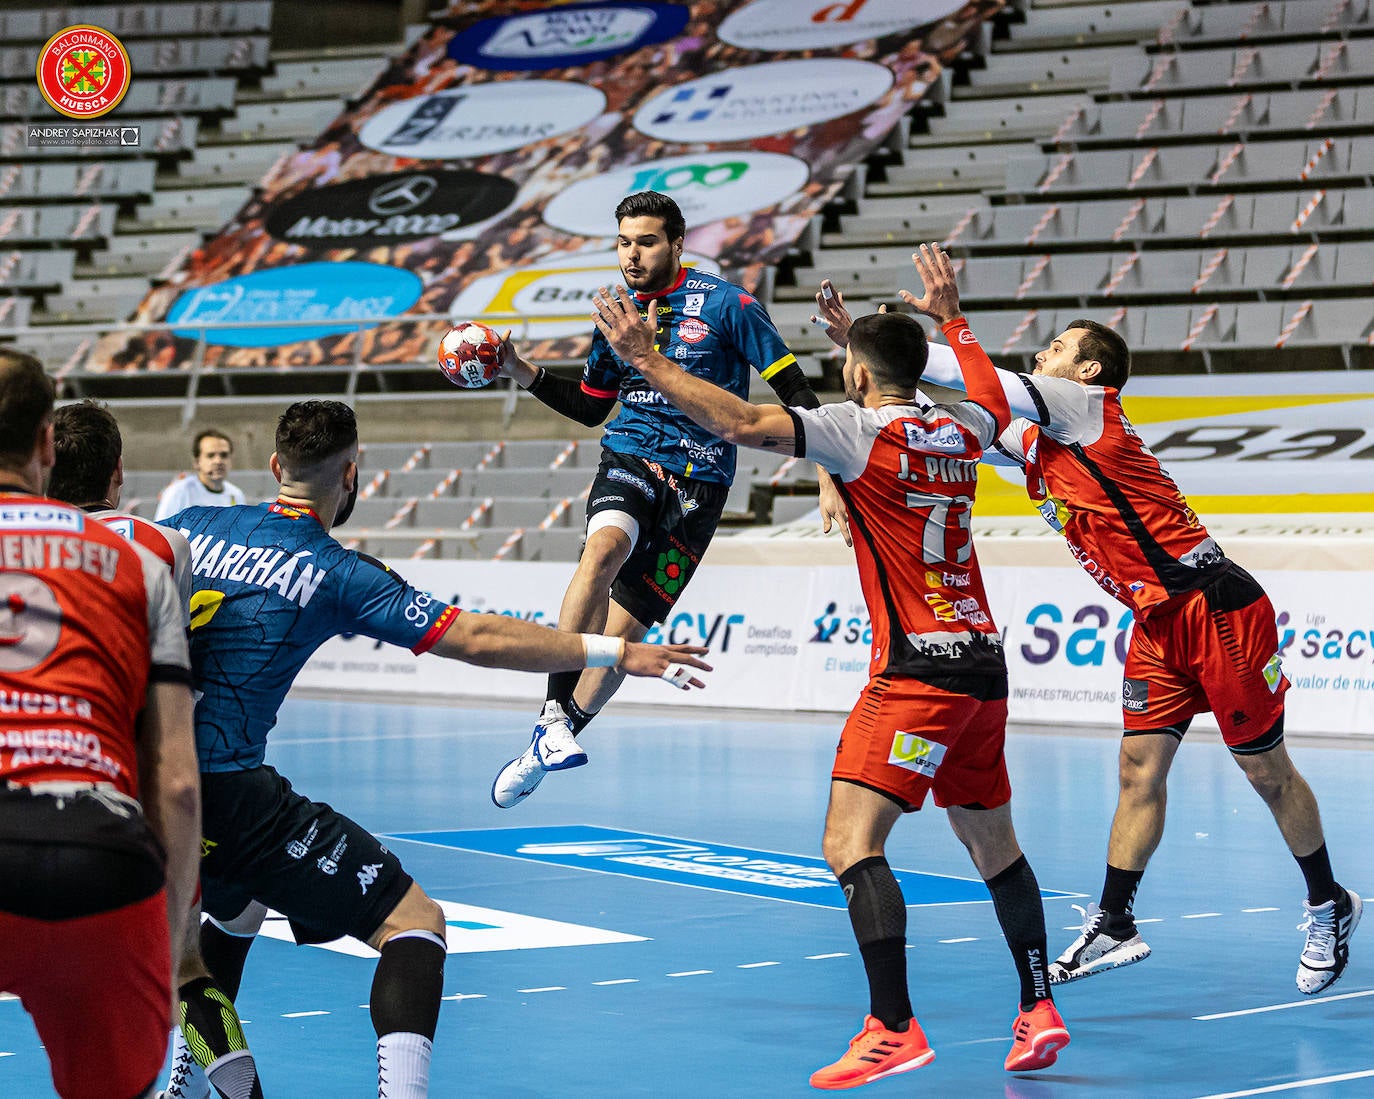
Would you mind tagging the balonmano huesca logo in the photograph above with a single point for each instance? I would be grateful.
(83, 72)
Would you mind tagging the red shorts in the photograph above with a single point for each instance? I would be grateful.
(99, 990)
(1218, 651)
(905, 737)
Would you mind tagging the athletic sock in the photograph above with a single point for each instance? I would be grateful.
(1118, 897)
(188, 1080)
(405, 1012)
(877, 911)
(403, 1066)
(215, 1038)
(224, 955)
(578, 718)
(1016, 899)
(1316, 870)
(561, 686)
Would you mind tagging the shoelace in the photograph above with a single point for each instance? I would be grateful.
(1092, 916)
(1321, 932)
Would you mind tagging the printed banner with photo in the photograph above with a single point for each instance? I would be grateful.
(801, 641)
(478, 175)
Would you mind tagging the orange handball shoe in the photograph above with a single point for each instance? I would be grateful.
(1038, 1036)
(874, 1053)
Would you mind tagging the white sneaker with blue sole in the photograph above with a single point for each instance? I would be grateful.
(552, 748)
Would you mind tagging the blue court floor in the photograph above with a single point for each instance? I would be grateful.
(657, 923)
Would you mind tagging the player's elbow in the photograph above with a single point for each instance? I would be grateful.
(474, 639)
(745, 428)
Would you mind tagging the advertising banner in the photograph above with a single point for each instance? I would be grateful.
(799, 638)
(501, 142)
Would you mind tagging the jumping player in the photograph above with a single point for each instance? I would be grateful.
(88, 473)
(933, 716)
(98, 796)
(1204, 636)
(271, 586)
(662, 482)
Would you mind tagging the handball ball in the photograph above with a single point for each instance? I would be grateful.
(470, 355)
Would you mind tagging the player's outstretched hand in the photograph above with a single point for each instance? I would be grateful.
(673, 663)
(830, 311)
(941, 301)
(508, 355)
(617, 318)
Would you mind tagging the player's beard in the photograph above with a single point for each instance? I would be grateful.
(346, 508)
(654, 279)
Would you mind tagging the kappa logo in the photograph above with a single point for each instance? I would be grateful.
(914, 753)
(368, 875)
(400, 196)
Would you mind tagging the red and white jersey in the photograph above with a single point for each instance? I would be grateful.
(1094, 480)
(168, 545)
(908, 475)
(87, 620)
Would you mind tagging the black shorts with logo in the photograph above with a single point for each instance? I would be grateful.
(677, 518)
(263, 841)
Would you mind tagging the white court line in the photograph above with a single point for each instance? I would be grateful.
(6, 1054)
(1260, 910)
(622, 981)
(756, 965)
(1313, 1082)
(302, 1014)
(1283, 1007)
(958, 940)
(550, 988)
(823, 957)
(458, 996)
(1150, 919)
(1200, 916)
(690, 973)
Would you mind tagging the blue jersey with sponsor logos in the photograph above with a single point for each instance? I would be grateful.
(269, 586)
(716, 331)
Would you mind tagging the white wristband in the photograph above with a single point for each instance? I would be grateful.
(602, 651)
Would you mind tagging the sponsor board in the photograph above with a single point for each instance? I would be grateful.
(819, 24)
(757, 100)
(472, 929)
(389, 209)
(83, 72)
(548, 299)
(573, 34)
(481, 118)
(706, 187)
(302, 292)
(772, 875)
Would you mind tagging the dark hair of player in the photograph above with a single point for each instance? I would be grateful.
(209, 433)
(651, 204)
(26, 399)
(88, 444)
(1108, 348)
(310, 433)
(893, 348)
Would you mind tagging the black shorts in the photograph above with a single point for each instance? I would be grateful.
(263, 841)
(677, 519)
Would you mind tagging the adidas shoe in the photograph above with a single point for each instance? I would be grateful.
(552, 748)
(1096, 949)
(1329, 927)
(876, 1052)
(1037, 1037)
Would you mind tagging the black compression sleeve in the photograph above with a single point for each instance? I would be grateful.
(568, 398)
(793, 389)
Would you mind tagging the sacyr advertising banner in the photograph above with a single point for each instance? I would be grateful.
(501, 142)
(799, 638)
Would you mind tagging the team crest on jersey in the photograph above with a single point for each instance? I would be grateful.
(693, 304)
(692, 330)
(915, 753)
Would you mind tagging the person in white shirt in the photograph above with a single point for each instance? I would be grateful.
(213, 454)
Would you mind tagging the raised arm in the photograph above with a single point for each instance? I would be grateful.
(764, 427)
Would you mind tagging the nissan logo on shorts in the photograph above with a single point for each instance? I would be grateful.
(391, 209)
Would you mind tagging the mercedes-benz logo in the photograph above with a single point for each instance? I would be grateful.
(400, 196)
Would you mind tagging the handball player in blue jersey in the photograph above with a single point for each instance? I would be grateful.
(662, 482)
(270, 586)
